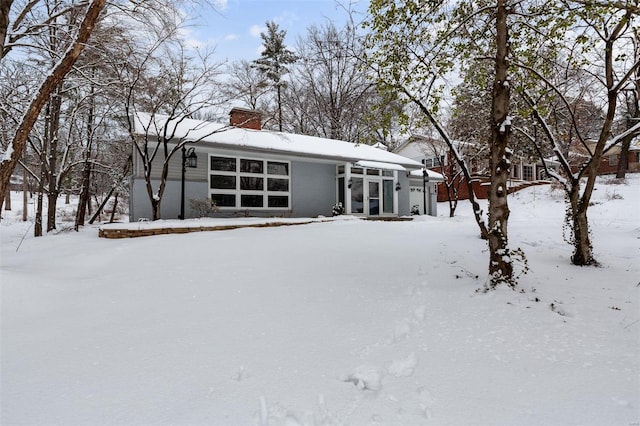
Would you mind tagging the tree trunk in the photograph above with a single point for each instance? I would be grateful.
(7, 166)
(25, 188)
(83, 199)
(582, 248)
(155, 206)
(7, 204)
(623, 160)
(37, 227)
(5, 6)
(279, 107)
(115, 206)
(54, 125)
(86, 171)
(124, 173)
(96, 214)
(500, 265)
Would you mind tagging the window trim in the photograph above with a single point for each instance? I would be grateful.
(238, 174)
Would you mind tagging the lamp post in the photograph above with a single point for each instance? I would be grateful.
(425, 180)
(189, 159)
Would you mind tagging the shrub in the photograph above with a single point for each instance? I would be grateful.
(338, 209)
(203, 207)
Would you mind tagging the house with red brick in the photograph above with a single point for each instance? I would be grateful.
(436, 156)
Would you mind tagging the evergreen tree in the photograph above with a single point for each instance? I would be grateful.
(274, 60)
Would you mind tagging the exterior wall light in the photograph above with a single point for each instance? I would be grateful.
(189, 159)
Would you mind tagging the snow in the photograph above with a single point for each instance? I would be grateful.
(220, 135)
(505, 125)
(343, 322)
(6, 155)
(433, 175)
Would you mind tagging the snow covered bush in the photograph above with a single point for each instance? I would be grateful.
(338, 209)
(203, 207)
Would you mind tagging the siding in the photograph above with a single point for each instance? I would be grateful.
(175, 166)
(313, 191)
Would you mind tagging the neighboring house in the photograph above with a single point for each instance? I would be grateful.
(609, 162)
(437, 156)
(253, 172)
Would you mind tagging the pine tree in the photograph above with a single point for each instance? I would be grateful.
(274, 60)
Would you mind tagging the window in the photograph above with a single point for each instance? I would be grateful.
(357, 196)
(613, 160)
(278, 201)
(387, 196)
(278, 185)
(274, 168)
(251, 200)
(222, 182)
(224, 200)
(433, 162)
(223, 163)
(249, 183)
(527, 172)
(251, 166)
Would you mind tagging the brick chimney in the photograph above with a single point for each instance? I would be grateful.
(245, 118)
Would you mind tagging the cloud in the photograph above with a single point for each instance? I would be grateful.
(255, 30)
(220, 4)
(231, 37)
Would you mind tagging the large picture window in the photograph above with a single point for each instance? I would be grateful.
(249, 183)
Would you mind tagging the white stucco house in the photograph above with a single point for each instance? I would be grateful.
(248, 171)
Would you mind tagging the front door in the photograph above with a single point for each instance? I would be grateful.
(373, 192)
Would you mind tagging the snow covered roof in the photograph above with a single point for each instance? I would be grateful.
(220, 135)
(418, 144)
(433, 176)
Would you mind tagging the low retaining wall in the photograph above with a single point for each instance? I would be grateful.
(134, 233)
(148, 232)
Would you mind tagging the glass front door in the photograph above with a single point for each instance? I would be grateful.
(374, 197)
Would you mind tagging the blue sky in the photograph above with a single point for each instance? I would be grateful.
(235, 26)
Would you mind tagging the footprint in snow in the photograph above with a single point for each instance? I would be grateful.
(365, 377)
(420, 312)
(426, 401)
(401, 330)
(403, 367)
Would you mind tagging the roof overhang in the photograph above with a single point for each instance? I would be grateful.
(379, 165)
(433, 176)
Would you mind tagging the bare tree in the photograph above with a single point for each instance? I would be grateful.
(407, 56)
(246, 84)
(330, 92)
(631, 96)
(45, 89)
(602, 32)
(162, 87)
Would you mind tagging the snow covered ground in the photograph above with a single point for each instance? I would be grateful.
(346, 322)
